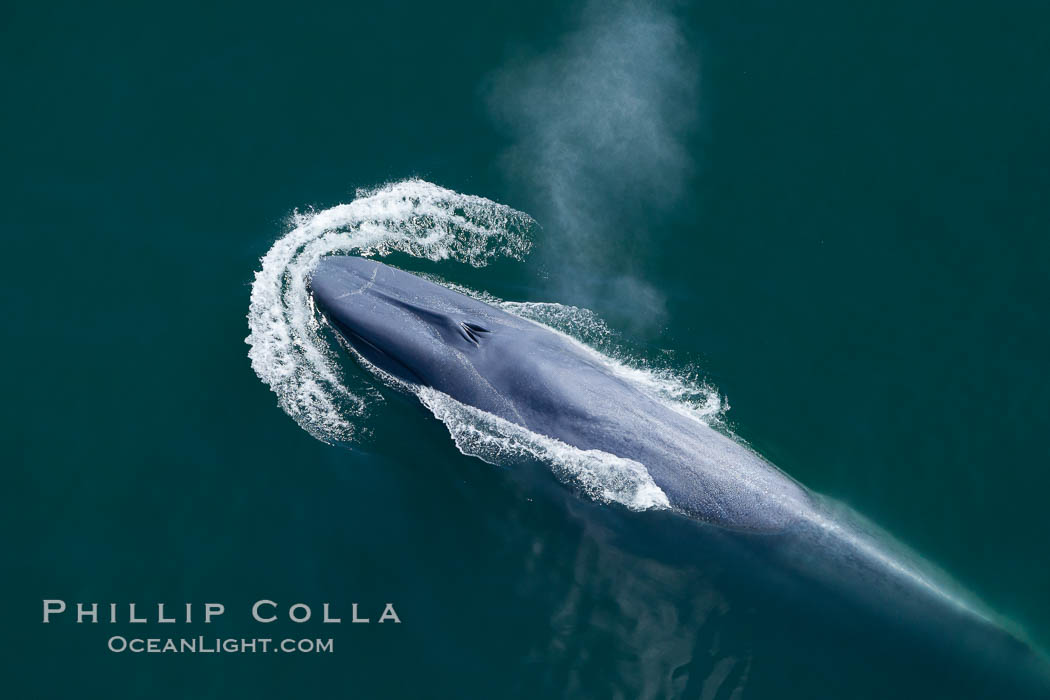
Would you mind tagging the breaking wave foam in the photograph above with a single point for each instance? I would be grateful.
(292, 352)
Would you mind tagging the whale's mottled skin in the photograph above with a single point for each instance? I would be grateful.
(424, 333)
(523, 372)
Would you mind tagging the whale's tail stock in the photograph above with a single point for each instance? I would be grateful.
(917, 609)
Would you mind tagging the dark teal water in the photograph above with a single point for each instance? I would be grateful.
(837, 213)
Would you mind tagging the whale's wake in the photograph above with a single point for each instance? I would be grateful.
(293, 353)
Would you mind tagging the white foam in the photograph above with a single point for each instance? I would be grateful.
(602, 476)
(293, 354)
(413, 216)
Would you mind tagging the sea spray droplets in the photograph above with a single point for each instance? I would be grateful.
(415, 217)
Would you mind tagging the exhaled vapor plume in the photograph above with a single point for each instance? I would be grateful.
(600, 124)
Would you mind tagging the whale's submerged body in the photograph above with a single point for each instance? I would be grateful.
(525, 373)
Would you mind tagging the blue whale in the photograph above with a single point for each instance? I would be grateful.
(425, 334)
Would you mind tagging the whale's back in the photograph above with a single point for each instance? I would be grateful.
(559, 390)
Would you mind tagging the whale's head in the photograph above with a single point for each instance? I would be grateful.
(411, 328)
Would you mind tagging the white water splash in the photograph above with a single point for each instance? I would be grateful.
(292, 353)
(414, 217)
(602, 476)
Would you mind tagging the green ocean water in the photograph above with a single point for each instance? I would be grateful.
(834, 215)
